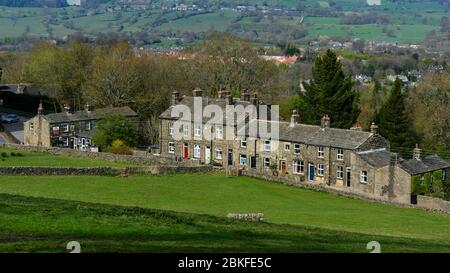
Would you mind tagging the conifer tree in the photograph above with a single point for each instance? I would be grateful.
(330, 92)
(394, 122)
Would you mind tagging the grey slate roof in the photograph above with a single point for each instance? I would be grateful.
(376, 158)
(426, 164)
(189, 102)
(93, 115)
(316, 135)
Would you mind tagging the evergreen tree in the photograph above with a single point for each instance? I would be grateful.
(394, 121)
(330, 92)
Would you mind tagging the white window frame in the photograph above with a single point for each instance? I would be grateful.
(219, 131)
(340, 172)
(320, 169)
(243, 160)
(218, 152)
(298, 167)
(64, 127)
(66, 142)
(186, 129)
(31, 126)
(197, 150)
(296, 148)
(287, 147)
(340, 154)
(267, 145)
(266, 162)
(197, 130)
(243, 143)
(320, 152)
(363, 177)
(171, 147)
(171, 128)
(88, 125)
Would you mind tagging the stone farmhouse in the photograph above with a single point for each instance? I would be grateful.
(69, 129)
(350, 160)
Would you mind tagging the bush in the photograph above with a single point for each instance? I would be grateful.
(13, 154)
(114, 128)
(119, 147)
(4, 154)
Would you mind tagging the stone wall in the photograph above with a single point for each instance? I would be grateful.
(433, 203)
(56, 171)
(425, 203)
(161, 169)
(150, 159)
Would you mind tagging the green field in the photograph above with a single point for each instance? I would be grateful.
(216, 195)
(411, 22)
(45, 225)
(16, 157)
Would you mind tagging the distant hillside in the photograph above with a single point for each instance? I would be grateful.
(34, 3)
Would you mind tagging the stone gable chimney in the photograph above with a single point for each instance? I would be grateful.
(197, 92)
(175, 97)
(295, 118)
(40, 109)
(67, 109)
(245, 96)
(229, 100)
(88, 108)
(325, 122)
(417, 152)
(374, 128)
(254, 98)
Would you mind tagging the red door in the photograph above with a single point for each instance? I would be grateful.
(185, 151)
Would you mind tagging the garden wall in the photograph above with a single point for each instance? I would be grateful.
(433, 203)
(56, 171)
(149, 159)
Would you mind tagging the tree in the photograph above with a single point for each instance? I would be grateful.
(394, 121)
(112, 128)
(429, 105)
(330, 92)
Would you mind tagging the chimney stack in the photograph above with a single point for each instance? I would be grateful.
(245, 96)
(175, 97)
(325, 122)
(254, 99)
(40, 109)
(197, 92)
(374, 128)
(229, 100)
(67, 109)
(416, 152)
(295, 118)
(223, 93)
(88, 108)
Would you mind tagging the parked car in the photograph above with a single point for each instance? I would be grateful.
(9, 118)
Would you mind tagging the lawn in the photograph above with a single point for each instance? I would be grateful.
(216, 195)
(17, 157)
(44, 225)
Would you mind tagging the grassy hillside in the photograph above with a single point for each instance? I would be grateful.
(16, 157)
(409, 21)
(46, 225)
(214, 194)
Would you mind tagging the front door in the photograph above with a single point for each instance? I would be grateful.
(348, 177)
(282, 166)
(253, 162)
(230, 157)
(311, 175)
(185, 151)
(207, 155)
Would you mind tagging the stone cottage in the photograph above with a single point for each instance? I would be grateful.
(69, 129)
(348, 159)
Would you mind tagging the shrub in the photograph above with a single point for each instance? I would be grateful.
(113, 128)
(4, 154)
(119, 147)
(13, 154)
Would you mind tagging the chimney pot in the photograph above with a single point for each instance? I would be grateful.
(197, 92)
(325, 122)
(175, 97)
(40, 109)
(295, 118)
(245, 96)
(374, 128)
(229, 100)
(67, 109)
(88, 108)
(417, 152)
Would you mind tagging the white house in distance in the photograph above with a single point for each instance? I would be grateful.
(374, 2)
(74, 2)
